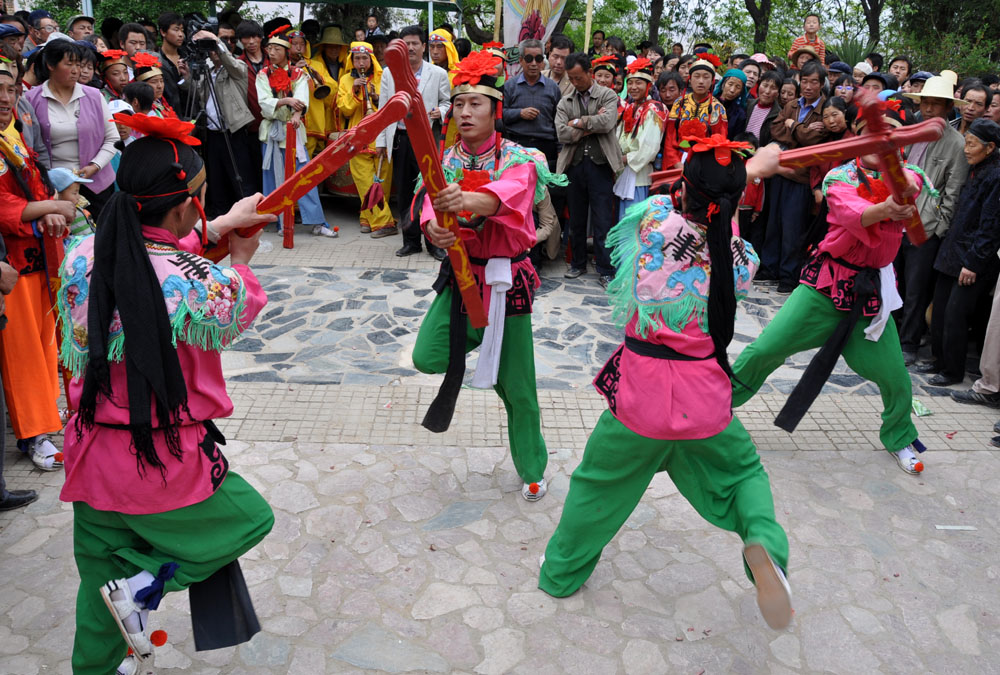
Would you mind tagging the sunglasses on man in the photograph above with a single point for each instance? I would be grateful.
(537, 58)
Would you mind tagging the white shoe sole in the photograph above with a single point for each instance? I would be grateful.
(904, 467)
(106, 596)
(773, 598)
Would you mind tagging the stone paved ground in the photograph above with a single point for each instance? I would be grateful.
(398, 550)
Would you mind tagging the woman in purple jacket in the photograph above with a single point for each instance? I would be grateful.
(75, 122)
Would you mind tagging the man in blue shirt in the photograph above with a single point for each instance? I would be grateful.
(529, 104)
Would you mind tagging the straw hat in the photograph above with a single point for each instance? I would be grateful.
(938, 87)
(951, 76)
(804, 50)
(332, 36)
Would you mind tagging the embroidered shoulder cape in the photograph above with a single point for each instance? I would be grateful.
(204, 302)
(664, 268)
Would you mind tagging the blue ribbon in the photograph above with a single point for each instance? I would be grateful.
(150, 596)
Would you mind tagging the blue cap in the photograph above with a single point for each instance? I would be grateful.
(62, 178)
(840, 67)
(921, 76)
(6, 30)
(38, 14)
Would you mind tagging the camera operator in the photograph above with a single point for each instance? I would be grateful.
(175, 70)
(229, 77)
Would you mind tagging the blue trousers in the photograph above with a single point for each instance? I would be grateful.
(790, 215)
(641, 194)
(309, 205)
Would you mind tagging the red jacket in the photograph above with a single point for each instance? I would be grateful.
(24, 249)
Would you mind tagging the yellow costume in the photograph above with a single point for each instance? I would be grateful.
(322, 117)
(441, 36)
(354, 105)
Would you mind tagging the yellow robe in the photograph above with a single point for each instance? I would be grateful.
(322, 117)
(363, 165)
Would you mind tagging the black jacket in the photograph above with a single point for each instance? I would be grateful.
(973, 240)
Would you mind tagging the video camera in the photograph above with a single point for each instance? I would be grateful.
(196, 51)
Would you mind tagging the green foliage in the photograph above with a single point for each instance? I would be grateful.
(947, 34)
(851, 50)
(348, 17)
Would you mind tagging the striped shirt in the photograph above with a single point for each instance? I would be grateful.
(819, 46)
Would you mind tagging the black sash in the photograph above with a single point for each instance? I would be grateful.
(656, 351)
(442, 408)
(867, 283)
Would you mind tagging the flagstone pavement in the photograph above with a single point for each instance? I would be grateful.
(396, 550)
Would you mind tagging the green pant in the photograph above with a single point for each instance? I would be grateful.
(720, 476)
(804, 322)
(515, 379)
(201, 538)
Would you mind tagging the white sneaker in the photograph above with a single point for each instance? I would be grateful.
(43, 453)
(908, 461)
(534, 491)
(118, 597)
(324, 231)
(774, 597)
(129, 666)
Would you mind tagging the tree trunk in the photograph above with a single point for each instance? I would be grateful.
(873, 12)
(475, 33)
(761, 15)
(655, 15)
(565, 16)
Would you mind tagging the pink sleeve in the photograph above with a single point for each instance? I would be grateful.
(845, 210)
(256, 298)
(516, 191)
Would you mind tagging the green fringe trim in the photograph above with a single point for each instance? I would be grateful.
(515, 157)
(625, 244)
(841, 175)
(186, 325)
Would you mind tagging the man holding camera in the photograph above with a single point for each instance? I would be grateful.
(227, 110)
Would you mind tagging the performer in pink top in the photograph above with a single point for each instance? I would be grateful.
(493, 186)
(155, 506)
(843, 305)
(680, 275)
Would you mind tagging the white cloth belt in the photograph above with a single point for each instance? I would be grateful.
(625, 185)
(498, 281)
(274, 158)
(890, 303)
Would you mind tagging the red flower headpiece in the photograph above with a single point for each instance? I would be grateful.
(722, 146)
(145, 60)
(639, 65)
(712, 58)
(493, 45)
(279, 30)
(473, 67)
(171, 128)
(114, 54)
(610, 62)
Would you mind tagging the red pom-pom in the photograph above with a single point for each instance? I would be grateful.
(58, 457)
(158, 638)
(336, 228)
(918, 467)
(533, 488)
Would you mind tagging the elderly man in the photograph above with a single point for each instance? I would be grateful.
(41, 25)
(529, 104)
(591, 157)
(80, 26)
(944, 163)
